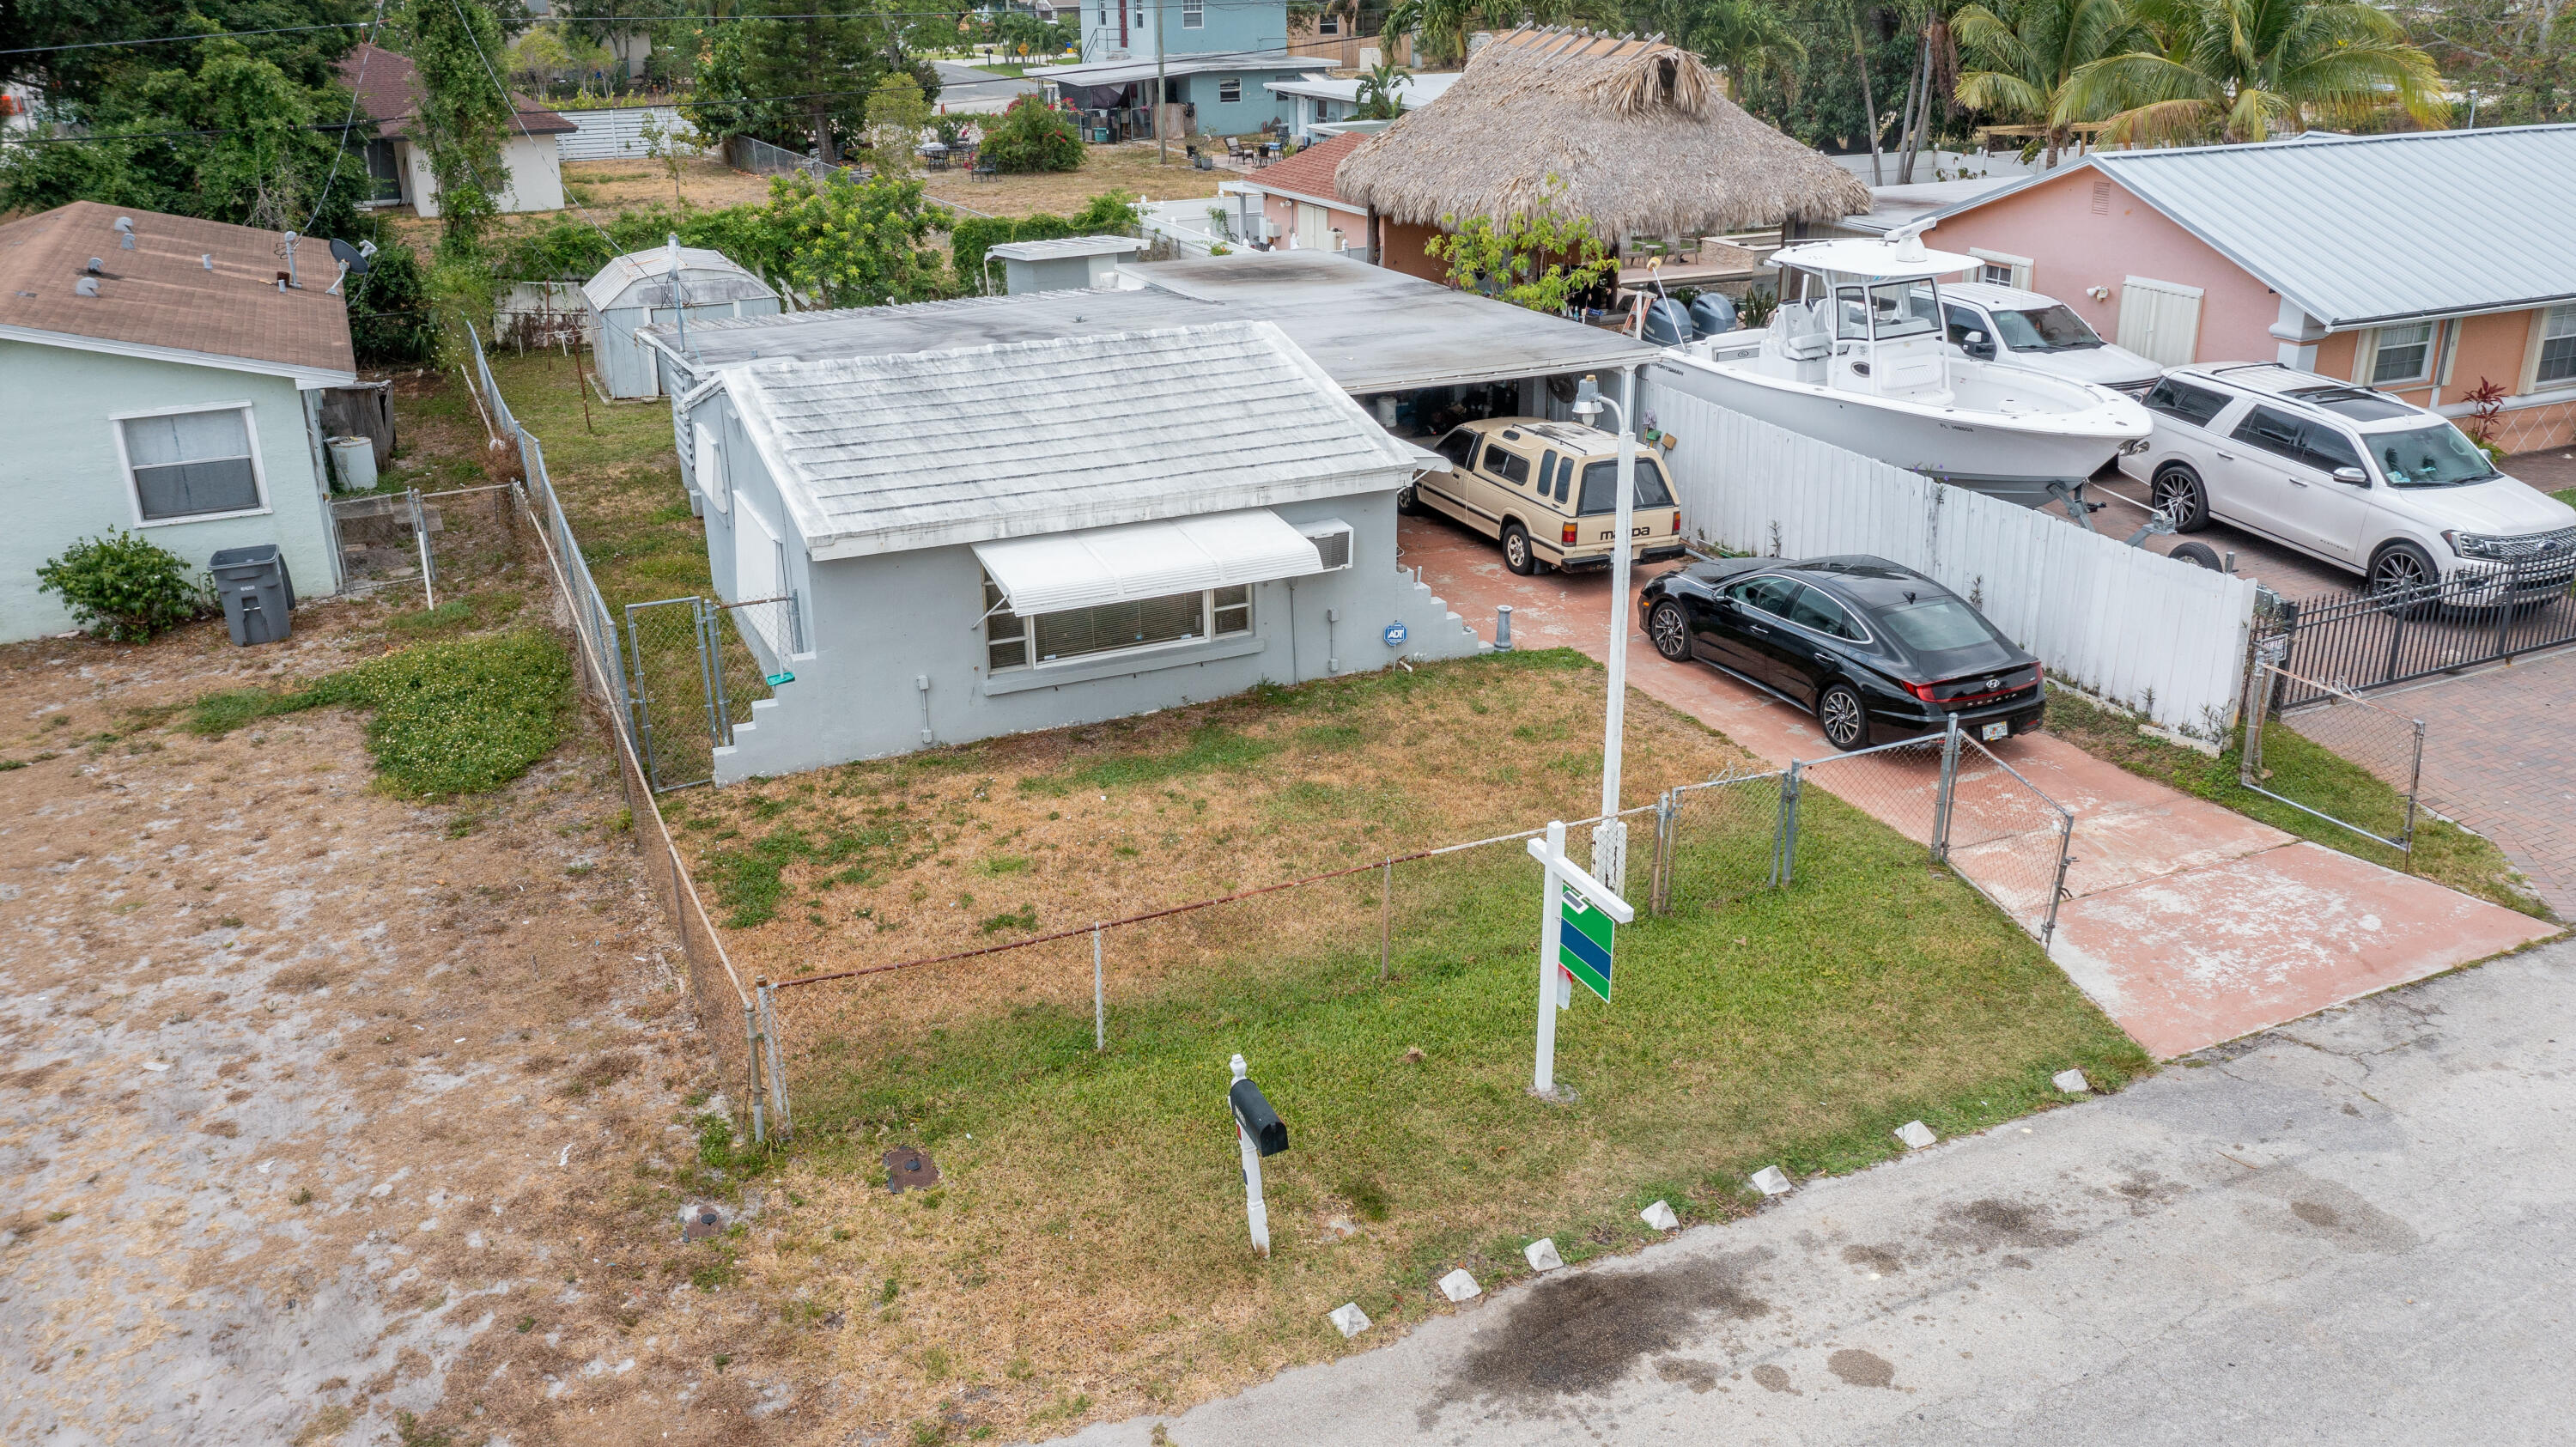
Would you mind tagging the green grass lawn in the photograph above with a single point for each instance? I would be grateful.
(2566, 495)
(2305, 770)
(618, 480)
(1085, 1254)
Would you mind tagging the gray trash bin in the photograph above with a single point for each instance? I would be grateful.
(257, 593)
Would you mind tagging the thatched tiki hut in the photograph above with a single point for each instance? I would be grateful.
(1630, 133)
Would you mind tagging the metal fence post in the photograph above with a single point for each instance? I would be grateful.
(2057, 886)
(1784, 850)
(643, 708)
(751, 1053)
(1659, 889)
(2414, 787)
(420, 536)
(1385, 918)
(1099, 997)
(1948, 788)
(719, 728)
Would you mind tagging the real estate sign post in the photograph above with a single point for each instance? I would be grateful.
(1577, 933)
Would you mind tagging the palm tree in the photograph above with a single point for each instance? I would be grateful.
(2024, 56)
(1381, 96)
(1743, 38)
(1440, 27)
(2238, 70)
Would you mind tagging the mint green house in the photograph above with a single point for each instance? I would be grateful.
(156, 378)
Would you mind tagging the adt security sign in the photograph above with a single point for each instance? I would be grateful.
(1582, 917)
(1395, 635)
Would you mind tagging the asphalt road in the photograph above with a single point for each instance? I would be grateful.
(2357, 1229)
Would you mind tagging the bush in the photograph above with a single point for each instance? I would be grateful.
(389, 319)
(124, 588)
(1031, 138)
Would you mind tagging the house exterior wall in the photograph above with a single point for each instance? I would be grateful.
(2073, 247)
(62, 480)
(1257, 107)
(1403, 244)
(532, 164)
(1222, 27)
(627, 367)
(1281, 212)
(873, 626)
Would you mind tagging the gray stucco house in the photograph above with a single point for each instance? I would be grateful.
(1018, 536)
(156, 377)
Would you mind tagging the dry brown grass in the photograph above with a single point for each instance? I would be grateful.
(1131, 167)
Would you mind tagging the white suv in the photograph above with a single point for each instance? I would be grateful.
(2025, 329)
(2348, 475)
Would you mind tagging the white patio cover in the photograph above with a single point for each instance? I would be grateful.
(1146, 560)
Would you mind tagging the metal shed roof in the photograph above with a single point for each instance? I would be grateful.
(642, 278)
(2360, 230)
(887, 454)
(1371, 329)
(1067, 246)
(1120, 72)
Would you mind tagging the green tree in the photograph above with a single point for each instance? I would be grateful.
(2515, 59)
(1381, 96)
(1440, 27)
(896, 117)
(1029, 138)
(2239, 70)
(849, 242)
(464, 115)
(2020, 55)
(823, 64)
(1539, 259)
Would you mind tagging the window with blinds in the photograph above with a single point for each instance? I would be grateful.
(2557, 346)
(1012, 641)
(191, 464)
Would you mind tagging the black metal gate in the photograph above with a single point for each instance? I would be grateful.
(2372, 640)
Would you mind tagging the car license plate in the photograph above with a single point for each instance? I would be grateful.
(1999, 729)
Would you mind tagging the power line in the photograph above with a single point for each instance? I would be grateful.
(512, 103)
(346, 125)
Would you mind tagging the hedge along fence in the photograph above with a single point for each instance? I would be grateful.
(1109, 213)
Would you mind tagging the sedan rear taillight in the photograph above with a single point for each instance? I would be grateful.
(1565, 535)
(1923, 691)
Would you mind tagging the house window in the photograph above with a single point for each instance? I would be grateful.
(187, 465)
(1193, 14)
(1229, 90)
(1329, 25)
(2404, 354)
(2557, 346)
(2001, 268)
(1011, 641)
(384, 172)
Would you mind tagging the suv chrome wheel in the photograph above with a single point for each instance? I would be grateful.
(2176, 494)
(2403, 579)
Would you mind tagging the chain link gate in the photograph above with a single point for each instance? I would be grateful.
(695, 668)
(2384, 742)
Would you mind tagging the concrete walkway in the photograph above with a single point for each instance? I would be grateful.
(2355, 1230)
(2190, 924)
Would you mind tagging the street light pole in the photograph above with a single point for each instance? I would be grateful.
(1610, 836)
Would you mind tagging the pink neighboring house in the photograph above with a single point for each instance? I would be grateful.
(2423, 264)
(1298, 198)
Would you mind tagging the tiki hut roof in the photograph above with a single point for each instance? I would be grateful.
(1632, 134)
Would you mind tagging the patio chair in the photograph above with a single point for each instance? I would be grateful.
(1234, 149)
(986, 169)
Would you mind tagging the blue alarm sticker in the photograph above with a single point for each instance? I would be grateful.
(1395, 635)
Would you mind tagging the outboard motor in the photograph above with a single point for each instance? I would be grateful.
(1712, 312)
(1668, 323)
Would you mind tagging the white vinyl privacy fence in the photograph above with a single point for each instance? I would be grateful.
(2163, 638)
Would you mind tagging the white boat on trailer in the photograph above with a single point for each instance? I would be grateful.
(1856, 358)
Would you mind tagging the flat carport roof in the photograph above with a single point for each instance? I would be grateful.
(1371, 329)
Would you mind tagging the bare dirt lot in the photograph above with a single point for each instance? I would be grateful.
(331, 1117)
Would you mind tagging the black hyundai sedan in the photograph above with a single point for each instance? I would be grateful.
(1877, 650)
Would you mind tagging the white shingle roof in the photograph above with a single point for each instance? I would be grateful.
(928, 449)
(1067, 246)
(2360, 230)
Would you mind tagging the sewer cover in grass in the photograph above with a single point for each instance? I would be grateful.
(909, 1170)
(697, 1223)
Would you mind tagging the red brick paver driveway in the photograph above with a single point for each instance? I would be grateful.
(2500, 757)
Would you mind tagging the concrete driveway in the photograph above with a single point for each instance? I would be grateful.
(2355, 1230)
(2190, 924)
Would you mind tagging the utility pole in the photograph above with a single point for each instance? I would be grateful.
(1162, 143)
(1610, 836)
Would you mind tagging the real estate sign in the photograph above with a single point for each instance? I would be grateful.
(1584, 941)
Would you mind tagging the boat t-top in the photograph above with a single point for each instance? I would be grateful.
(1855, 356)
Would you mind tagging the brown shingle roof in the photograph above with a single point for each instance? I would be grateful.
(1310, 171)
(160, 294)
(388, 87)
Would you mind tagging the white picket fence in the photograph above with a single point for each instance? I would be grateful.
(2163, 638)
(617, 135)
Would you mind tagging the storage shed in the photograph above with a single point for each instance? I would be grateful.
(636, 290)
(1067, 263)
(997, 539)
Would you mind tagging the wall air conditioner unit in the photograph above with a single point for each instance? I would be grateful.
(1332, 540)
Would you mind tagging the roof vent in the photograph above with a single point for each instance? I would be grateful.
(85, 286)
(97, 266)
(208, 258)
(125, 232)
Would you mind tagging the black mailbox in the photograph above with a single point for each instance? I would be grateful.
(1253, 1113)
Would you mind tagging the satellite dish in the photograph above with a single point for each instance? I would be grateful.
(350, 256)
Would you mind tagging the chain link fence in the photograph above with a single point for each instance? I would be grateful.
(2388, 744)
(695, 666)
(1717, 842)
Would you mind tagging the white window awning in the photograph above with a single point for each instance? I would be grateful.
(1146, 560)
